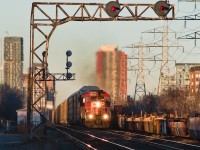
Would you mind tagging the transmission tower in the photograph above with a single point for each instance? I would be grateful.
(140, 90)
(164, 79)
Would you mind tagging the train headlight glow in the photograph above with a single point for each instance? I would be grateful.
(98, 104)
(90, 116)
(105, 116)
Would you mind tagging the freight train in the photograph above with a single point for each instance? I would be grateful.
(89, 107)
(188, 126)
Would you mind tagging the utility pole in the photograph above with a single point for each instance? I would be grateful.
(194, 36)
(195, 1)
(196, 17)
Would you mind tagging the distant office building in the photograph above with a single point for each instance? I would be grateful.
(111, 73)
(51, 93)
(194, 80)
(13, 61)
(183, 75)
(172, 82)
(37, 92)
(25, 87)
(166, 83)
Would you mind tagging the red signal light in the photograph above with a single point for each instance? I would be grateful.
(113, 8)
(162, 7)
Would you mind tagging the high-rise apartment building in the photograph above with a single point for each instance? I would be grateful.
(183, 75)
(25, 88)
(111, 73)
(194, 80)
(13, 61)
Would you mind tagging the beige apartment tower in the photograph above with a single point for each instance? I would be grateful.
(13, 62)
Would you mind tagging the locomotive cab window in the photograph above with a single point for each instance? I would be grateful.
(101, 97)
(94, 98)
(87, 99)
(97, 98)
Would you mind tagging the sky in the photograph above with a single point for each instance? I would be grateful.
(85, 38)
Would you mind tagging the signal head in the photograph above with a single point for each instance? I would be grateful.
(43, 53)
(69, 75)
(68, 53)
(112, 9)
(68, 64)
(161, 8)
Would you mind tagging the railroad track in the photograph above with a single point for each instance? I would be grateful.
(88, 141)
(158, 142)
(179, 140)
(112, 139)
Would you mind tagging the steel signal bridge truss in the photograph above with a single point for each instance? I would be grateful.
(46, 16)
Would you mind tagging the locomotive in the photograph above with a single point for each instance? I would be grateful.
(89, 107)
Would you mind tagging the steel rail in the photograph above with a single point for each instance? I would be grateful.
(111, 132)
(101, 139)
(81, 143)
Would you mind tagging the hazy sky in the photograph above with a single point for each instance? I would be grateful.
(85, 38)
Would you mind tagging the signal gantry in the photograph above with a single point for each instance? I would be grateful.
(45, 24)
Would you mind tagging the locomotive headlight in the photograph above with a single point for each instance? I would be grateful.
(105, 116)
(90, 116)
(98, 104)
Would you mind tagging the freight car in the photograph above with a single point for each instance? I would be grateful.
(155, 125)
(194, 126)
(89, 107)
(179, 127)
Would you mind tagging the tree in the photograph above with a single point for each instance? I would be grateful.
(175, 100)
(146, 104)
(150, 103)
(11, 99)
